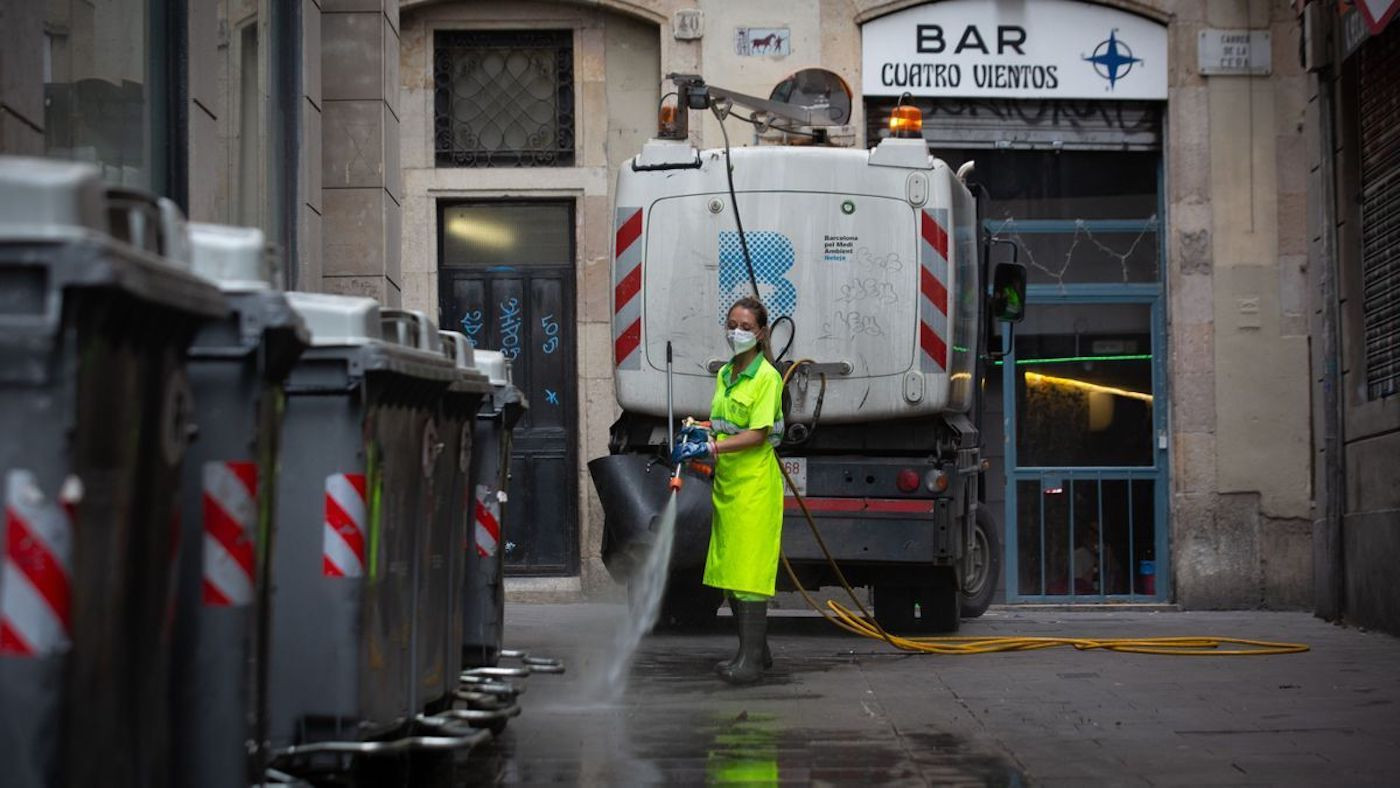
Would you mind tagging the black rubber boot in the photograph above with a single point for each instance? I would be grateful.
(728, 664)
(753, 636)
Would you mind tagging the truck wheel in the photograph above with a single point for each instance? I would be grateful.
(980, 584)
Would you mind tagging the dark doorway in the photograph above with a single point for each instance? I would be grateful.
(506, 280)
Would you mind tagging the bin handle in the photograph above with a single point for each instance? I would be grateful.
(482, 701)
(477, 693)
(543, 665)
(446, 718)
(486, 684)
(495, 673)
(405, 326)
(534, 664)
(452, 741)
(455, 348)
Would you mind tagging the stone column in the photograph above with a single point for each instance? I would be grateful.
(21, 79)
(361, 189)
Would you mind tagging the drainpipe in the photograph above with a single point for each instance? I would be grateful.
(1330, 596)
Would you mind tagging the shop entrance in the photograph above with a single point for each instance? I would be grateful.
(1079, 482)
(506, 280)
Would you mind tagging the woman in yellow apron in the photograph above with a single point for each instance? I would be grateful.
(746, 527)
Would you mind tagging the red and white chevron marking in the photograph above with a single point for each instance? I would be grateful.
(35, 576)
(343, 547)
(933, 289)
(486, 511)
(627, 287)
(230, 525)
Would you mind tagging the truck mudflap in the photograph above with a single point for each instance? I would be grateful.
(633, 489)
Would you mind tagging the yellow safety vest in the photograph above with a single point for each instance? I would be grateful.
(747, 526)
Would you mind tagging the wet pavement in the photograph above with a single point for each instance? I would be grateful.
(839, 710)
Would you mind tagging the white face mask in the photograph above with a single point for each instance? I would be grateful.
(741, 340)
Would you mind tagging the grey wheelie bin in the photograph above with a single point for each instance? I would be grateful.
(483, 594)
(236, 368)
(438, 635)
(356, 450)
(94, 409)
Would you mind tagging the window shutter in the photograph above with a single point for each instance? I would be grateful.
(1380, 212)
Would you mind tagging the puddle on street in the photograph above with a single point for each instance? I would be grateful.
(634, 745)
(676, 723)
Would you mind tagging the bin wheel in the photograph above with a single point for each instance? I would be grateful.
(984, 568)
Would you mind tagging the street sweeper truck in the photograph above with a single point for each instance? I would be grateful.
(873, 266)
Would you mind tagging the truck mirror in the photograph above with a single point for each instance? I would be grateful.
(1008, 300)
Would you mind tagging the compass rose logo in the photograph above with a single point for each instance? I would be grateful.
(1112, 59)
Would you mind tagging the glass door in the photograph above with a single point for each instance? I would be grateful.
(1086, 463)
(1077, 460)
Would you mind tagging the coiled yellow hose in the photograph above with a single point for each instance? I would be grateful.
(864, 623)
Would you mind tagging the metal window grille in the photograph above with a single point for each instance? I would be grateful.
(1020, 125)
(1380, 212)
(504, 99)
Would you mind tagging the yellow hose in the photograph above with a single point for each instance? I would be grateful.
(865, 625)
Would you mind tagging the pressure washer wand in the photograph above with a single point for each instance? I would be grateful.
(671, 417)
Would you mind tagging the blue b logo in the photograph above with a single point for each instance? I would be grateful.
(772, 257)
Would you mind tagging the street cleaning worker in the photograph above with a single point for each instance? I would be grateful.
(746, 526)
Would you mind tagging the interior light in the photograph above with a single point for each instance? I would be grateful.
(906, 121)
(489, 234)
(1037, 379)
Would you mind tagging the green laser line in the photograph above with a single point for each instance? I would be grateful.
(1020, 362)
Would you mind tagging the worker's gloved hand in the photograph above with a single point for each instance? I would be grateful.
(692, 450)
(692, 432)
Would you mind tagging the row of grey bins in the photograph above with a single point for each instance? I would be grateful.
(239, 525)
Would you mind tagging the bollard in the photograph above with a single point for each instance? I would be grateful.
(95, 319)
(349, 506)
(438, 622)
(483, 600)
(236, 367)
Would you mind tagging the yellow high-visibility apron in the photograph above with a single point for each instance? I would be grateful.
(747, 525)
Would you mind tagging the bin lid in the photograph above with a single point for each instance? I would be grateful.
(410, 328)
(457, 347)
(337, 319)
(49, 197)
(232, 257)
(494, 364)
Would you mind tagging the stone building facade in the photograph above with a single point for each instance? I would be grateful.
(329, 134)
(1352, 55)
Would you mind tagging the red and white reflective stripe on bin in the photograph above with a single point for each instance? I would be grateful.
(34, 579)
(230, 523)
(346, 526)
(487, 514)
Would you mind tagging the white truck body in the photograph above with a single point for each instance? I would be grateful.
(872, 254)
